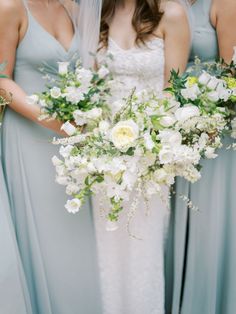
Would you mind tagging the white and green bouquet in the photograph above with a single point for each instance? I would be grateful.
(139, 151)
(76, 98)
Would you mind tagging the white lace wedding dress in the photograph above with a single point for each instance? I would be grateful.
(131, 270)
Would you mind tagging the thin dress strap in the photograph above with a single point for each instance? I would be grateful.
(25, 2)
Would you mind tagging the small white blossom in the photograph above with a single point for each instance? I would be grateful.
(73, 206)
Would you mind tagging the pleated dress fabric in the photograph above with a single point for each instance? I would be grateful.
(201, 251)
(57, 250)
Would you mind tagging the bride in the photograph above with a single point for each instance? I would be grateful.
(147, 39)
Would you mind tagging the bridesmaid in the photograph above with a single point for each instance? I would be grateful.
(57, 250)
(204, 249)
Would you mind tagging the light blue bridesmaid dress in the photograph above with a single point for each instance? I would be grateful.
(201, 256)
(12, 280)
(57, 250)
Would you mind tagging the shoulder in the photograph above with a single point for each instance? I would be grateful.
(11, 9)
(173, 11)
(10, 6)
(222, 8)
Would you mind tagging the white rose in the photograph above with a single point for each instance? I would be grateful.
(124, 134)
(73, 206)
(191, 92)
(170, 137)
(94, 113)
(55, 92)
(234, 56)
(204, 78)
(32, 99)
(68, 128)
(63, 67)
(103, 72)
(213, 96)
(187, 112)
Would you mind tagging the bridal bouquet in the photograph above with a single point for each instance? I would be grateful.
(78, 97)
(152, 139)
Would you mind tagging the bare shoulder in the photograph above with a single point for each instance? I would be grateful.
(224, 5)
(11, 10)
(10, 6)
(173, 11)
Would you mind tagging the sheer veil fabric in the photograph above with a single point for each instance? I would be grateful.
(86, 15)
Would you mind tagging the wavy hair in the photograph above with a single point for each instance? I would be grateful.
(146, 18)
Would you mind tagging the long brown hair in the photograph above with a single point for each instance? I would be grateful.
(146, 18)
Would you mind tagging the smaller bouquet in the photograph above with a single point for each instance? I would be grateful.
(78, 97)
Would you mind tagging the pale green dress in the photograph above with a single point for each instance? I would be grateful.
(201, 252)
(57, 249)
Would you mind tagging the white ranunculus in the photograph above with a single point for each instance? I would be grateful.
(204, 78)
(94, 113)
(63, 67)
(166, 155)
(234, 56)
(56, 161)
(170, 137)
(212, 84)
(80, 117)
(124, 134)
(168, 121)
(187, 112)
(104, 126)
(191, 92)
(103, 72)
(73, 206)
(68, 128)
(55, 92)
(213, 96)
(149, 144)
(32, 99)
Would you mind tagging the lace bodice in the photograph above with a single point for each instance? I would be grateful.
(141, 67)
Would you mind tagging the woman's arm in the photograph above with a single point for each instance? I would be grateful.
(224, 20)
(12, 24)
(177, 38)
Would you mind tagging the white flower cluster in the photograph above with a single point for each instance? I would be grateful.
(78, 98)
(143, 147)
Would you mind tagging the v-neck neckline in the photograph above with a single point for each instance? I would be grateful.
(52, 36)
